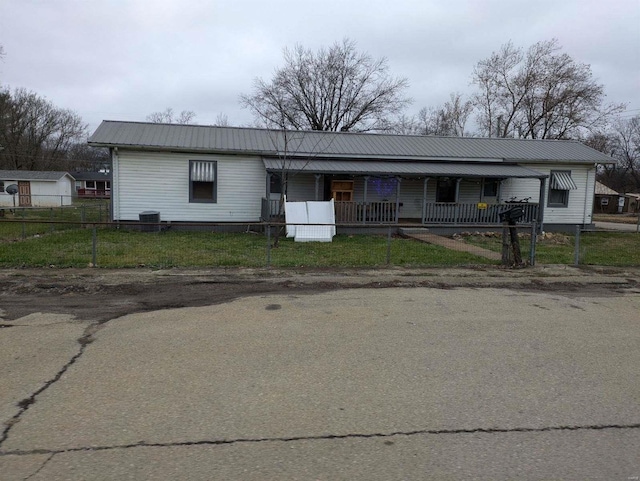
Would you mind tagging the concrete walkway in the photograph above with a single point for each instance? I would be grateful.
(452, 244)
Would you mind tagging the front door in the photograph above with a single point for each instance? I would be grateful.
(24, 193)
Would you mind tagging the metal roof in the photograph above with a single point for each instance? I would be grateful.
(337, 145)
(32, 175)
(402, 168)
(87, 175)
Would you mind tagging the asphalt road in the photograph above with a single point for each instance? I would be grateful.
(617, 226)
(395, 383)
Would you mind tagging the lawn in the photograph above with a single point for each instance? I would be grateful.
(596, 248)
(129, 248)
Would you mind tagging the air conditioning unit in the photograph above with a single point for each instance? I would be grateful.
(153, 219)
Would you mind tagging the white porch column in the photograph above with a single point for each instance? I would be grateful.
(318, 177)
(424, 198)
(457, 199)
(398, 180)
(366, 183)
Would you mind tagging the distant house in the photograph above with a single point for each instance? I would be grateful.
(35, 188)
(226, 174)
(608, 201)
(92, 184)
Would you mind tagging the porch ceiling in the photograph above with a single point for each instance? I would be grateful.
(413, 169)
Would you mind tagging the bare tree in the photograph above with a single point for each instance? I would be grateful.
(222, 120)
(622, 142)
(34, 134)
(335, 89)
(538, 94)
(448, 120)
(169, 117)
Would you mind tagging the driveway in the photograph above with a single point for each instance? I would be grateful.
(355, 383)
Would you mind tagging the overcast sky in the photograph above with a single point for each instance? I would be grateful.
(123, 59)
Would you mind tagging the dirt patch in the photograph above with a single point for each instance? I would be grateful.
(99, 295)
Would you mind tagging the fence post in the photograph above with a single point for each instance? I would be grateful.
(94, 247)
(388, 245)
(51, 219)
(532, 246)
(268, 227)
(576, 251)
(505, 244)
(82, 214)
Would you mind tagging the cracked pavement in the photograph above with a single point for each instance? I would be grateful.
(352, 383)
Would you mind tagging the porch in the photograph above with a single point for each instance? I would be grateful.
(422, 193)
(433, 213)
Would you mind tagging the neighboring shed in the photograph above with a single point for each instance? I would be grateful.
(229, 174)
(36, 188)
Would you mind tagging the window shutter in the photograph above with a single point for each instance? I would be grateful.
(203, 172)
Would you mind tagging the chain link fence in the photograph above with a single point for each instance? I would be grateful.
(47, 237)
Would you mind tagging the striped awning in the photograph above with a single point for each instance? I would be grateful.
(562, 181)
(203, 171)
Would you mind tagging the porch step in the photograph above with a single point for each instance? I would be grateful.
(423, 235)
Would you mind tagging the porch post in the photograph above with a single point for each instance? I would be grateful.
(268, 187)
(482, 189)
(365, 208)
(541, 202)
(318, 186)
(366, 182)
(458, 180)
(398, 180)
(424, 199)
(458, 189)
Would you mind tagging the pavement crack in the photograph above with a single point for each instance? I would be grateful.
(321, 437)
(45, 462)
(24, 405)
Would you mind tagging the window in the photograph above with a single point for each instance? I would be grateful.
(559, 186)
(491, 188)
(202, 181)
(446, 189)
(90, 184)
(1, 186)
(275, 183)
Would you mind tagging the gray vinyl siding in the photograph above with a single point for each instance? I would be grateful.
(302, 187)
(160, 182)
(580, 205)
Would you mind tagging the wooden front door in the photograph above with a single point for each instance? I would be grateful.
(24, 193)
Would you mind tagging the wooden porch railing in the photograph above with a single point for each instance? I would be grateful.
(434, 213)
(445, 213)
(102, 194)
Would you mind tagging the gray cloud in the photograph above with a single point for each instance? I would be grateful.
(123, 59)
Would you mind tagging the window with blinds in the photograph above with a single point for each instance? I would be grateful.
(202, 181)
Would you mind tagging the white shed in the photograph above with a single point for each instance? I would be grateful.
(35, 188)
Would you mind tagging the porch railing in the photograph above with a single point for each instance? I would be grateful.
(445, 213)
(434, 213)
